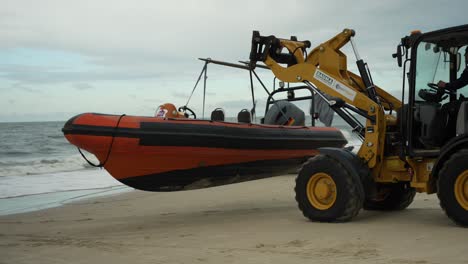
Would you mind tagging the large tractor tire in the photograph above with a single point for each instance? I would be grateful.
(452, 187)
(327, 192)
(392, 197)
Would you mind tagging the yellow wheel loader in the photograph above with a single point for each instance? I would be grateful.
(416, 144)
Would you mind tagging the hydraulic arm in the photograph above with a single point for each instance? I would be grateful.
(325, 70)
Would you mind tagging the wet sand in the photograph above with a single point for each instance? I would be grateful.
(252, 222)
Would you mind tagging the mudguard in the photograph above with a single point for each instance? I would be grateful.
(447, 150)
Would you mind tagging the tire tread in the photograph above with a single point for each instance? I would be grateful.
(353, 204)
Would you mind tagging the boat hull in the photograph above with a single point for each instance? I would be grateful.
(155, 154)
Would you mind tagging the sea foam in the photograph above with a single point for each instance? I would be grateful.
(14, 186)
(46, 165)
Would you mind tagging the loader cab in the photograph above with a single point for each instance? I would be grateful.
(430, 115)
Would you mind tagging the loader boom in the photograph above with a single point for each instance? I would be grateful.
(325, 68)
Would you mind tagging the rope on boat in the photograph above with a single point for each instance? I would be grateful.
(100, 165)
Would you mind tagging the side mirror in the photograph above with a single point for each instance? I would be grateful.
(427, 46)
(398, 55)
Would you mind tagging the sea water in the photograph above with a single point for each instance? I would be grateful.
(40, 169)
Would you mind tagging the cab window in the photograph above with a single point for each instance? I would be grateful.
(432, 65)
(463, 90)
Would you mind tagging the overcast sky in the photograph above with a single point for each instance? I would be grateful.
(60, 58)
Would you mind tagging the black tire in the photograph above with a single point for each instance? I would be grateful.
(349, 191)
(397, 196)
(454, 167)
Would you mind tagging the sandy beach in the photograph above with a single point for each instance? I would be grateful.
(252, 222)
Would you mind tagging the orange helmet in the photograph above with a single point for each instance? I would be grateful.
(168, 110)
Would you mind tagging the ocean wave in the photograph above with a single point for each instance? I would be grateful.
(47, 149)
(105, 188)
(18, 186)
(14, 153)
(42, 166)
(56, 137)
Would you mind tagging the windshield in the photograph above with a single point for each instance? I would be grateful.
(433, 65)
(463, 90)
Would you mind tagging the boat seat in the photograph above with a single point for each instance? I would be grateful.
(244, 116)
(217, 115)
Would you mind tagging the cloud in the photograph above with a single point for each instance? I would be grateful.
(21, 68)
(82, 86)
(24, 87)
(29, 116)
(178, 30)
(160, 41)
(179, 94)
(237, 104)
(151, 100)
(50, 76)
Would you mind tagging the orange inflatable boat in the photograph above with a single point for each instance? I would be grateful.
(170, 154)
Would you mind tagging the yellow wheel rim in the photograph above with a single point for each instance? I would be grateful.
(321, 191)
(461, 189)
